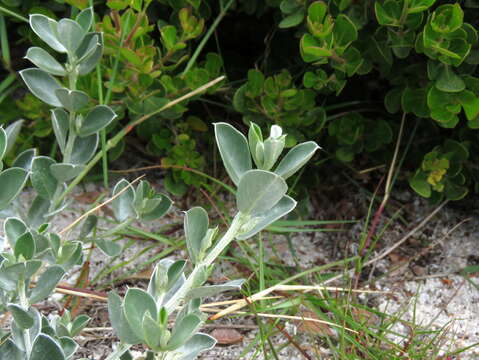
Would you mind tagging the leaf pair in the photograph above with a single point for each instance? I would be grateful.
(235, 153)
(143, 203)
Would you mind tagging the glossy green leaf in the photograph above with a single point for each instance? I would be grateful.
(25, 246)
(344, 31)
(72, 100)
(137, 303)
(292, 20)
(123, 205)
(447, 18)
(22, 318)
(64, 172)
(258, 191)
(12, 182)
(470, 104)
(47, 30)
(42, 85)
(449, 81)
(254, 86)
(313, 50)
(45, 61)
(196, 225)
(97, 119)
(416, 6)
(84, 148)
(234, 150)
(46, 348)
(420, 185)
(70, 34)
(389, 13)
(296, 158)
(415, 101)
(183, 331)
(169, 36)
(42, 178)
(320, 24)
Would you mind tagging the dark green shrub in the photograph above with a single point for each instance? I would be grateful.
(356, 67)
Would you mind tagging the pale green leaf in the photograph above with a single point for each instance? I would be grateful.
(42, 178)
(234, 150)
(47, 30)
(45, 61)
(98, 118)
(12, 182)
(296, 158)
(196, 225)
(46, 283)
(258, 191)
(42, 85)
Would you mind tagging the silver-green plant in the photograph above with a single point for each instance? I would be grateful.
(75, 121)
(141, 317)
(33, 258)
(36, 258)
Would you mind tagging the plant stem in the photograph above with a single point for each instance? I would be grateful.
(227, 238)
(207, 36)
(120, 350)
(13, 14)
(24, 304)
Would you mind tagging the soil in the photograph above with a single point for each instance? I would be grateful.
(425, 274)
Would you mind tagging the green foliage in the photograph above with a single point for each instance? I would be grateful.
(442, 172)
(277, 100)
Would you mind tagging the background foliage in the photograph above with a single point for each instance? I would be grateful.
(341, 72)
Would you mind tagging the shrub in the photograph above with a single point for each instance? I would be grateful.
(340, 71)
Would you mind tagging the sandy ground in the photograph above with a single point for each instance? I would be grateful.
(429, 289)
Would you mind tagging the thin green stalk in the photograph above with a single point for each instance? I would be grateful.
(13, 14)
(24, 304)
(207, 36)
(4, 42)
(227, 238)
(102, 131)
(116, 63)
